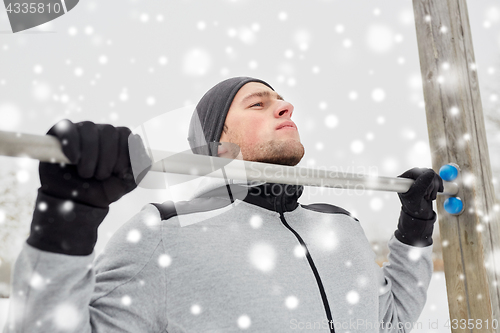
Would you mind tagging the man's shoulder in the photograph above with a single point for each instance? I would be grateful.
(328, 209)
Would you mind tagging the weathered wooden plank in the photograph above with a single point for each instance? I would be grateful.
(457, 134)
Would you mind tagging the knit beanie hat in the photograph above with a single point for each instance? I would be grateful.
(210, 114)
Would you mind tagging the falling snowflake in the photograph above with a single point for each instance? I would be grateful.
(256, 221)
(299, 251)
(164, 260)
(163, 60)
(72, 31)
(67, 206)
(22, 176)
(347, 43)
(41, 91)
(78, 71)
(357, 146)
(244, 322)
(11, 117)
(201, 25)
(352, 297)
(376, 204)
(126, 300)
(291, 302)
(134, 236)
(414, 254)
(195, 309)
(380, 38)
(37, 282)
(197, 62)
(378, 95)
(326, 238)
(89, 30)
(263, 257)
(247, 35)
(66, 317)
(103, 59)
(331, 121)
(38, 69)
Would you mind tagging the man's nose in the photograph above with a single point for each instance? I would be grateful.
(283, 109)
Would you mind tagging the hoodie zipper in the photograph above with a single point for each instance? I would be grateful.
(279, 208)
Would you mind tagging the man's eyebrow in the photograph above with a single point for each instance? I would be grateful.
(264, 93)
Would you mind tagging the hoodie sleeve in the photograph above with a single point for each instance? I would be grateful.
(122, 291)
(403, 283)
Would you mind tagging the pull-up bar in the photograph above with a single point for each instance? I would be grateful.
(46, 148)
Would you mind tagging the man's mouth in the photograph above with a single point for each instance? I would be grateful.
(287, 125)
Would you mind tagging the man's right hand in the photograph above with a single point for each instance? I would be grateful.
(100, 171)
(74, 198)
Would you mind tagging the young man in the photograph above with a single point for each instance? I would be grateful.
(236, 257)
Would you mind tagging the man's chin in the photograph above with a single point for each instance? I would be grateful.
(288, 152)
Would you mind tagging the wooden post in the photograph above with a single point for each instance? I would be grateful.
(471, 241)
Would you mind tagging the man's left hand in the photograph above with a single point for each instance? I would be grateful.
(417, 202)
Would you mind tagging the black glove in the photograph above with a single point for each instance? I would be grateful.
(74, 199)
(416, 221)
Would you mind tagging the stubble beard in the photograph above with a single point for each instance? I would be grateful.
(283, 152)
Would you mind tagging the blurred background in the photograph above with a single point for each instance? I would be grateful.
(350, 68)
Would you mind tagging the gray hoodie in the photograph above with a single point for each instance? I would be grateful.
(238, 258)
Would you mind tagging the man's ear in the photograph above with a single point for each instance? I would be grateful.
(229, 150)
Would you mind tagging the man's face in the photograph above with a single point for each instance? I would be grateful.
(258, 121)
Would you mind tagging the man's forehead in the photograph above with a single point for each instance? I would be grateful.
(248, 92)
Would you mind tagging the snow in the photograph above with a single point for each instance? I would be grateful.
(283, 16)
(299, 251)
(37, 282)
(195, 309)
(133, 236)
(380, 38)
(263, 257)
(326, 238)
(103, 59)
(415, 254)
(291, 302)
(163, 60)
(164, 260)
(126, 300)
(256, 221)
(244, 322)
(72, 31)
(66, 317)
(352, 297)
(11, 117)
(78, 71)
(357, 146)
(378, 95)
(331, 121)
(38, 69)
(197, 62)
(376, 204)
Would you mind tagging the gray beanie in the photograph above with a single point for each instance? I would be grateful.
(210, 114)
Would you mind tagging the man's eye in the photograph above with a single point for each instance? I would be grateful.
(257, 104)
